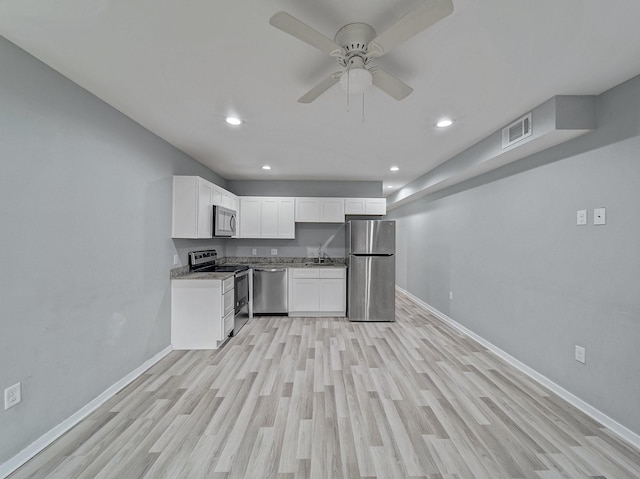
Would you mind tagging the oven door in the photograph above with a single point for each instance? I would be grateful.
(241, 295)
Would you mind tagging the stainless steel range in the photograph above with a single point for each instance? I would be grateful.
(207, 262)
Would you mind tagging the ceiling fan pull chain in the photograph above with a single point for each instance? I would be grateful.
(363, 119)
(348, 84)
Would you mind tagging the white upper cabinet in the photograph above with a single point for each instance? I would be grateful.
(319, 210)
(250, 217)
(354, 206)
(266, 217)
(307, 210)
(365, 206)
(222, 197)
(192, 215)
(193, 200)
(286, 218)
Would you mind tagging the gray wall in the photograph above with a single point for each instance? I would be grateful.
(309, 236)
(85, 250)
(530, 281)
(348, 189)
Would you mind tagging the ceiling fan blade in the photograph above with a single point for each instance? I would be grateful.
(320, 88)
(390, 84)
(304, 32)
(414, 22)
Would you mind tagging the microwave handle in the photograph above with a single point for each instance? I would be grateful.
(232, 223)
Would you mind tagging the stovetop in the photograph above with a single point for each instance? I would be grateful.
(221, 268)
(206, 262)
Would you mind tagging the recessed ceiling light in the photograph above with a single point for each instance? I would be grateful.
(234, 120)
(394, 168)
(445, 122)
(266, 167)
(390, 186)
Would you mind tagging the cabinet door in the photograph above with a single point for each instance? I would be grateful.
(307, 210)
(250, 217)
(196, 314)
(376, 206)
(205, 209)
(354, 206)
(286, 218)
(227, 199)
(304, 295)
(269, 220)
(332, 210)
(217, 196)
(333, 295)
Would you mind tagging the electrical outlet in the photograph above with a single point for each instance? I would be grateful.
(176, 260)
(12, 396)
(600, 216)
(274, 251)
(450, 295)
(581, 217)
(254, 251)
(581, 354)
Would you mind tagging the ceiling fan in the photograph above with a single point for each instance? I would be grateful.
(357, 44)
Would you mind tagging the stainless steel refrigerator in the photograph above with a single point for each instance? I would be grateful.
(371, 247)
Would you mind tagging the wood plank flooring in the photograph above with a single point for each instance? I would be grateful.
(326, 398)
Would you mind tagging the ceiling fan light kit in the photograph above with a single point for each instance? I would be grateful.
(356, 79)
(355, 45)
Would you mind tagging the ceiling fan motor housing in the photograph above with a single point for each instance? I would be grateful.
(354, 38)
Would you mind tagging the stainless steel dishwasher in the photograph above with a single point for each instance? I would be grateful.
(270, 290)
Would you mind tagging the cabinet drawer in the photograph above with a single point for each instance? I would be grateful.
(227, 302)
(227, 285)
(227, 323)
(332, 273)
(304, 272)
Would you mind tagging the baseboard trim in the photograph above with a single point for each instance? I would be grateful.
(45, 440)
(575, 401)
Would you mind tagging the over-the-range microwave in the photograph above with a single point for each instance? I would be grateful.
(224, 221)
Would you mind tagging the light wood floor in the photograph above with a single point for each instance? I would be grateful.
(326, 398)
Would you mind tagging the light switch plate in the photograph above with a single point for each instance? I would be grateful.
(12, 395)
(581, 217)
(581, 354)
(274, 251)
(600, 216)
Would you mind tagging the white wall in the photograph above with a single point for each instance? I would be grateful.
(525, 277)
(85, 250)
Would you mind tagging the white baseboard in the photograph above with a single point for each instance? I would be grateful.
(43, 441)
(575, 401)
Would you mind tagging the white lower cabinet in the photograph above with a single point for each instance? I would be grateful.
(317, 291)
(202, 312)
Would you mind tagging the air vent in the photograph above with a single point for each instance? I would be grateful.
(516, 131)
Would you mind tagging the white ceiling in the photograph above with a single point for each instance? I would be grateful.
(179, 68)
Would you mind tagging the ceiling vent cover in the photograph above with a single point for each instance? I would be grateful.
(516, 131)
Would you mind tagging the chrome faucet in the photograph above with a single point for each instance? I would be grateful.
(323, 257)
